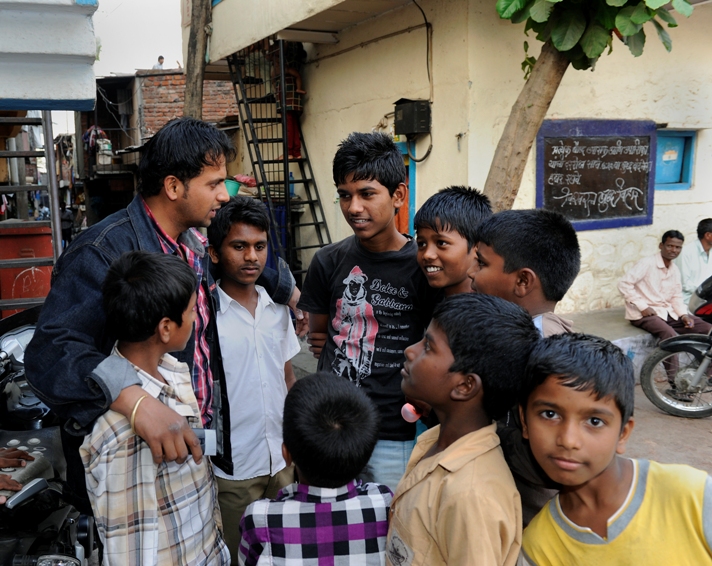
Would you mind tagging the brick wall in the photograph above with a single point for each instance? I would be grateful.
(162, 94)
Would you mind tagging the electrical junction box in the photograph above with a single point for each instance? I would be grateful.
(412, 117)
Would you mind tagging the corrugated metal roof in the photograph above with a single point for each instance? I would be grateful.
(47, 49)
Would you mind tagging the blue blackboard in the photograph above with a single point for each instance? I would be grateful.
(597, 173)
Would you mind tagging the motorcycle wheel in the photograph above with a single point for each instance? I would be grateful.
(678, 402)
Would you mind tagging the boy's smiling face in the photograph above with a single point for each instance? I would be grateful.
(427, 367)
(573, 435)
(370, 210)
(444, 258)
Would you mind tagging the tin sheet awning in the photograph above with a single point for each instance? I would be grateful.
(240, 23)
(47, 50)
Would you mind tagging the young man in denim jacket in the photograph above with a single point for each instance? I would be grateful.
(182, 175)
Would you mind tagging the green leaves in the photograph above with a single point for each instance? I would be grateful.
(663, 36)
(624, 22)
(568, 30)
(683, 7)
(636, 43)
(666, 16)
(507, 8)
(641, 14)
(541, 10)
(594, 41)
(584, 29)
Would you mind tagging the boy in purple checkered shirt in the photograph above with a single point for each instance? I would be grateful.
(330, 429)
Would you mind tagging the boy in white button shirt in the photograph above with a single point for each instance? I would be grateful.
(257, 340)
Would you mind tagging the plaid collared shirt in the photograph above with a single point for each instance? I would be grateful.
(313, 526)
(149, 514)
(202, 374)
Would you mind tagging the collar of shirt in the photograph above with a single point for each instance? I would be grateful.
(454, 457)
(701, 251)
(191, 239)
(225, 300)
(171, 390)
(313, 494)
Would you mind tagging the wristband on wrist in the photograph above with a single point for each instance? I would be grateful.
(133, 413)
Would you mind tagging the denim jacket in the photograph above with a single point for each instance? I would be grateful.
(68, 363)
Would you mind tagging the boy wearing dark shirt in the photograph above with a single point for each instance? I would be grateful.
(368, 294)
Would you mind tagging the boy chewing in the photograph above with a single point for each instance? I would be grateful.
(457, 503)
(577, 412)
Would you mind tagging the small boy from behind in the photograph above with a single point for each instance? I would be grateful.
(577, 411)
(257, 342)
(446, 235)
(457, 503)
(531, 258)
(330, 429)
(148, 513)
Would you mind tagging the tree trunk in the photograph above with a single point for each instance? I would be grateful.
(195, 63)
(528, 112)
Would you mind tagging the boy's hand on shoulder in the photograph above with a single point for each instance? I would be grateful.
(300, 316)
(166, 432)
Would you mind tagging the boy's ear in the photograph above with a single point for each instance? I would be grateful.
(165, 329)
(625, 435)
(467, 387)
(523, 420)
(214, 257)
(400, 195)
(286, 455)
(526, 282)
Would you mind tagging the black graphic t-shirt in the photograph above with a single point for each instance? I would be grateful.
(378, 305)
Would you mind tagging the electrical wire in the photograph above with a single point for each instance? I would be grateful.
(108, 107)
(428, 47)
(427, 153)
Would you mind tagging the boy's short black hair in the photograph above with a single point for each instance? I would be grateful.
(542, 240)
(455, 208)
(369, 157)
(141, 288)
(584, 363)
(492, 338)
(243, 210)
(703, 227)
(181, 148)
(672, 234)
(330, 428)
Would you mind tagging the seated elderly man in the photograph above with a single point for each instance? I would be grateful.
(653, 293)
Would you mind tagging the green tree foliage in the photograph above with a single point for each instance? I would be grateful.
(584, 29)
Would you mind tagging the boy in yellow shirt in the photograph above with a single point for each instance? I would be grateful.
(457, 503)
(577, 412)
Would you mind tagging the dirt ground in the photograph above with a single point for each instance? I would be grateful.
(664, 438)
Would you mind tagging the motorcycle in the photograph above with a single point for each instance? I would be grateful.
(677, 376)
(38, 527)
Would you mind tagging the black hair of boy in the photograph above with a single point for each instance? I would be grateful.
(369, 157)
(585, 363)
(238, 210)
(455, 208)
(141, 288)
(492, 338)
(330, 428)
(169, 153)
(672, 234)
(542, 240)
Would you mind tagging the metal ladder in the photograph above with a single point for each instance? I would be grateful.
(265, 131)
(49, 155)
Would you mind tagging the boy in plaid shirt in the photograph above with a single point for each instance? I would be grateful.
(329, 428)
